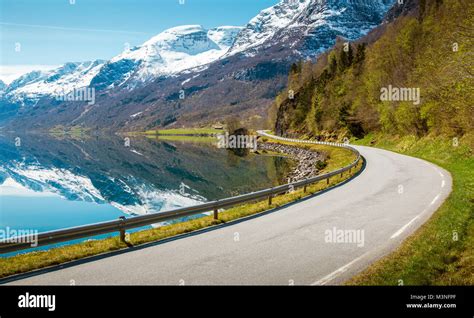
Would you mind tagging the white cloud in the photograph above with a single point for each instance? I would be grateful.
(8, 73)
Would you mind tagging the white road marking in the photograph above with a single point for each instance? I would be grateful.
(326, 279)
(400, 231)
(343, 269)
(433, 167)
(435, 199)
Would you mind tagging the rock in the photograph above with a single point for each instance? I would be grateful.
(306, 159)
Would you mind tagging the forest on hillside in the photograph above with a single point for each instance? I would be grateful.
(428, 50)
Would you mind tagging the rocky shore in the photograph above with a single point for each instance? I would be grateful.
(307, 161)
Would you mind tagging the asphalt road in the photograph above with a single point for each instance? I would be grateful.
(322, 240)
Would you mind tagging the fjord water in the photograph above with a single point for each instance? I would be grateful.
(51, 182)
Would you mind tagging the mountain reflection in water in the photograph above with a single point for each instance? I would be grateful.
(100, 177)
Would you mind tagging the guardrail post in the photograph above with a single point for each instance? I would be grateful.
(270, 199)
(216, 214)
(327, 181)
(122, 229)
(304, 189)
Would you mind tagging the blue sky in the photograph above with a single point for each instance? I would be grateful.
(42, 33)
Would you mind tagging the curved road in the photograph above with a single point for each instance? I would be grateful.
(308, 243)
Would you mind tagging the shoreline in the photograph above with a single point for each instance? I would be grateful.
(307, 161)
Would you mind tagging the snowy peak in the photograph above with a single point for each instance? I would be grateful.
(65, 72)
(30, 87)
(3, 88)
(170, 52)
(224, 36)
(267, 22)
(188, 39)
(300, 18)
(25, 79)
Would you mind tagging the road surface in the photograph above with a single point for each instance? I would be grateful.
(323, 240)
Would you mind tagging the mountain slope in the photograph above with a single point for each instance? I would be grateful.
(424, 53)
(244, 82)
(191, 76)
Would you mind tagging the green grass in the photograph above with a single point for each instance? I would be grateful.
(70, 132)
(35, 260)
(74, 132)
(432, 256)
(185, 131)
(195, 139)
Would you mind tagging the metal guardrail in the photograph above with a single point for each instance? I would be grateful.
(121, 225)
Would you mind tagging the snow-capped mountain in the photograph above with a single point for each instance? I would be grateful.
(264, 26)
(291, 21)
(224, 36)
(30, 87)
(224, 71)
(3, 87)
(170, 52)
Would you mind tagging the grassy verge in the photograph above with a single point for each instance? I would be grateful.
(22, 263)
(441, 252)
(184, 131)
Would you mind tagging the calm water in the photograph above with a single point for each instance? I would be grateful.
(49, 182)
